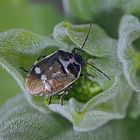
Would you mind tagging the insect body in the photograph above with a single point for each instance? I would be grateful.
(56, 72)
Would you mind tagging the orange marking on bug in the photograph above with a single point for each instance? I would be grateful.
(56, 85)
(34, 85)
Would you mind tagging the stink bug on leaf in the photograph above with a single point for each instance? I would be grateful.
(56, 73)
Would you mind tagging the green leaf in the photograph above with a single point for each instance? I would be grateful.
(106, 13)
(78, 8)
(108, 105)
(104, 49)
(19, 121)
(134, 107)
(7, 86)
(20, 48)
(28, 15)
(99, 45)
(129, 31)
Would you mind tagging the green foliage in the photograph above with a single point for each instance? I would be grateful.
(134, 109)
(107, 101)
(7, 86)
(105, 48)
(20, 121)
(129, 31)
(20, 48)
(27, 15)
(108, 105)
(106, 13)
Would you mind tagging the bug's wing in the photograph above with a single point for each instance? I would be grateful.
(57, 76)
(34, 84)
(58, 73)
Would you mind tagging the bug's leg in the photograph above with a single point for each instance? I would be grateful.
(66, 91)
(61, 98)
(24, 69)
(49, 100)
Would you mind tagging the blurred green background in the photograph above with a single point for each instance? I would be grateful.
(38, 16)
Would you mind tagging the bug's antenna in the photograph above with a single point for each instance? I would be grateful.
(99, 71)
(86, 36)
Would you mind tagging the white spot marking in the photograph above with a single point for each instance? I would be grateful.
(37, 70)
(43, 77)
(54, 75)
(51, 68)
(48, 86)
(65, 64)
(58, 73)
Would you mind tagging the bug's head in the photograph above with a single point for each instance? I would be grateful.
(78, 58)
(77, 52)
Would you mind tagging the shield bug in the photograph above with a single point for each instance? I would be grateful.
(55, 73)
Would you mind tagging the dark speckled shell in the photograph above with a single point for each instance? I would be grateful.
(61, 70)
